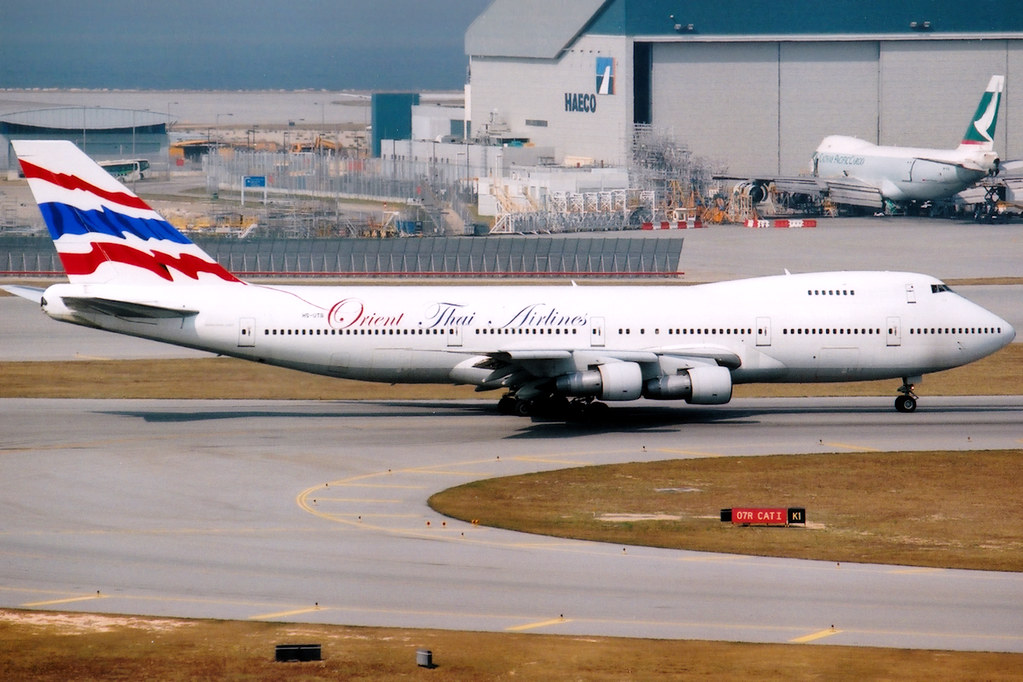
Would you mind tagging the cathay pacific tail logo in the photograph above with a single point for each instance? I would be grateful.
(985, 125)
(982, 128)
(605, 76)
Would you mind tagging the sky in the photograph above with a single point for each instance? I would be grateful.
(235, 44)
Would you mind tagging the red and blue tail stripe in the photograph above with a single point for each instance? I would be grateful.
(102, 230)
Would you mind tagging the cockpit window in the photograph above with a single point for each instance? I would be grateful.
(938, 288)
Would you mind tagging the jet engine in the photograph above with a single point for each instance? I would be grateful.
(698, 385)
(611, 381)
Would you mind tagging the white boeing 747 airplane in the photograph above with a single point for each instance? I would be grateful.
(850, 167)
(855, 172)
(548, 348)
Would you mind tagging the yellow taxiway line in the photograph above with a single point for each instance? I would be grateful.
(69, 600)
(541, 624)
(815, 636)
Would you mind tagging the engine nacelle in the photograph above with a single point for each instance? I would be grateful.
(699, 386)
(611, 381)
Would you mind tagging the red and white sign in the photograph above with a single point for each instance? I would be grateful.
(691, 224)
(782, 222)
(753, 516)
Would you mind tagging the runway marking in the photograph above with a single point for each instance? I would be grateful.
(69, 600)
(815, 636)
(309, 499)
(541, 624)
(341, 613)
(689, 453)
(854, 448)
(384, 485)
(915, 570)
(282, 614)
(377, 516)
(317, 500)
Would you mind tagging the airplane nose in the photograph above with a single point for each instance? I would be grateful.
(1006, 332)
(1009, 334)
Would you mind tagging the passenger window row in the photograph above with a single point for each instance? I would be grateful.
(356, 332)
(818, 332)
(525, 330)
(687, 332)
(955, 330)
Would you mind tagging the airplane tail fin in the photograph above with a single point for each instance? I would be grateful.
(981, 131)
(103, 232)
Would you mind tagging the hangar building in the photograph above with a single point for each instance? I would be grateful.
(750, 85)
(101, 132)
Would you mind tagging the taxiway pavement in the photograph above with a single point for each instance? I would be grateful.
(316, 512)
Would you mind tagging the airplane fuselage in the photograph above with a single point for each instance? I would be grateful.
(811, 327)
(902, 174)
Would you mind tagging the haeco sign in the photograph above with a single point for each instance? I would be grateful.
(586, 102)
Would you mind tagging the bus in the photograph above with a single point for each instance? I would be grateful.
(126, 169)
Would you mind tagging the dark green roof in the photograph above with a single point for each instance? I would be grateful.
(808, 17)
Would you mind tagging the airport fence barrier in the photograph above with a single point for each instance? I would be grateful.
(509, 256)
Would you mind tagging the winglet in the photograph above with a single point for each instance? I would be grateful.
(103, 231)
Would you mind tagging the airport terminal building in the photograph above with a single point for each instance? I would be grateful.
(752, 86)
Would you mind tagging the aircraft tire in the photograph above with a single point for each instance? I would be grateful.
(506, 405)
(905, 403)
(523, 408)
(596, 411)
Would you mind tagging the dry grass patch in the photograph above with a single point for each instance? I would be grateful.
(999, 374)
(68, 647)
(940, 509)
(213, 378)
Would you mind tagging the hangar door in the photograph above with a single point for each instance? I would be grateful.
(825, 88)
(720, 99)
(930, 89)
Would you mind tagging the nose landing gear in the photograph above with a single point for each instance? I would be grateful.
(907, 401)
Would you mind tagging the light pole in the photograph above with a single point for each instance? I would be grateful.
(218, 121)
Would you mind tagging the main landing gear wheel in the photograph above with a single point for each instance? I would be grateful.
(905, 403)
(506, 405)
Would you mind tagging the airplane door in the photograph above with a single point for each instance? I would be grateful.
(454, 335)
(597, 332)
(910, 293)
(908, 177)
(763, 331)
(246, 332)
(894, 331)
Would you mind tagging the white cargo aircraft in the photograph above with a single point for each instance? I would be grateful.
(851, 171)
(551, 349)
(904, 174)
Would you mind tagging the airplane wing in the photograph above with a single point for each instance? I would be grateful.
(798, 185)
(519, 368)
(852, 192)
(841, 191)
(794, 184)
